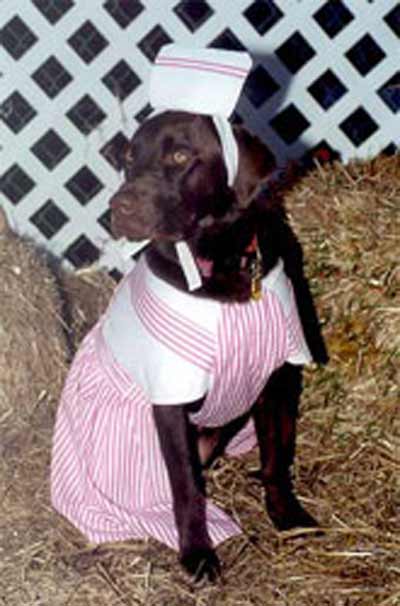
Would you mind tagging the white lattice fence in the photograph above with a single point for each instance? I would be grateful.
(74, 77)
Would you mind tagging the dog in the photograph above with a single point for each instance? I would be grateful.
(176, 189)
(173, 374)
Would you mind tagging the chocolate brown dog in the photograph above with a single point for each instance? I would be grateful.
(176, 189)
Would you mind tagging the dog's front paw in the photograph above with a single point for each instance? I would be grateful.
(201, 564)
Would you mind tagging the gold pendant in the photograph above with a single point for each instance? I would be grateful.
(256, 271)
(256, 289)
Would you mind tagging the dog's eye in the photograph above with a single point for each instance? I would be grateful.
(180, 157)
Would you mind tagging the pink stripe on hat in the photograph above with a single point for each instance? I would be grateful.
(187, 61)
(202, 67)
(203, 62)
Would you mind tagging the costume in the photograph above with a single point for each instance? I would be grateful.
(158, 344)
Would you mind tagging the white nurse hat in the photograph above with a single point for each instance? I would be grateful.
(200, 80)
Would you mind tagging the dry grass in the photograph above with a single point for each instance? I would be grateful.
(348, 449)
(32, 340)
(85, 294)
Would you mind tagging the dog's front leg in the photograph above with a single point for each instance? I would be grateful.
(275, 415)
(178, 441)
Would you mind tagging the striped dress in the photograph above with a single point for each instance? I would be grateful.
(156, 344)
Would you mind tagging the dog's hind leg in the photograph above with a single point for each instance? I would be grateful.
(275, 415)
(212, 442)
(207, 441)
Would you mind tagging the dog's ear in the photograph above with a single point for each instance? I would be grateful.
(256, 163)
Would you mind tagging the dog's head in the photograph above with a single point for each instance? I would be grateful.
(175, 175)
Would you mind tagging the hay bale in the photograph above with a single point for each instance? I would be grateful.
(348, 219)
(33, 350)
(45, 312)
(85, 294)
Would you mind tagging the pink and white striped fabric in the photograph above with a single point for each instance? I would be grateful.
(157, 344)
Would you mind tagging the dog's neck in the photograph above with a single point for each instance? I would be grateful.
(231, 257)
